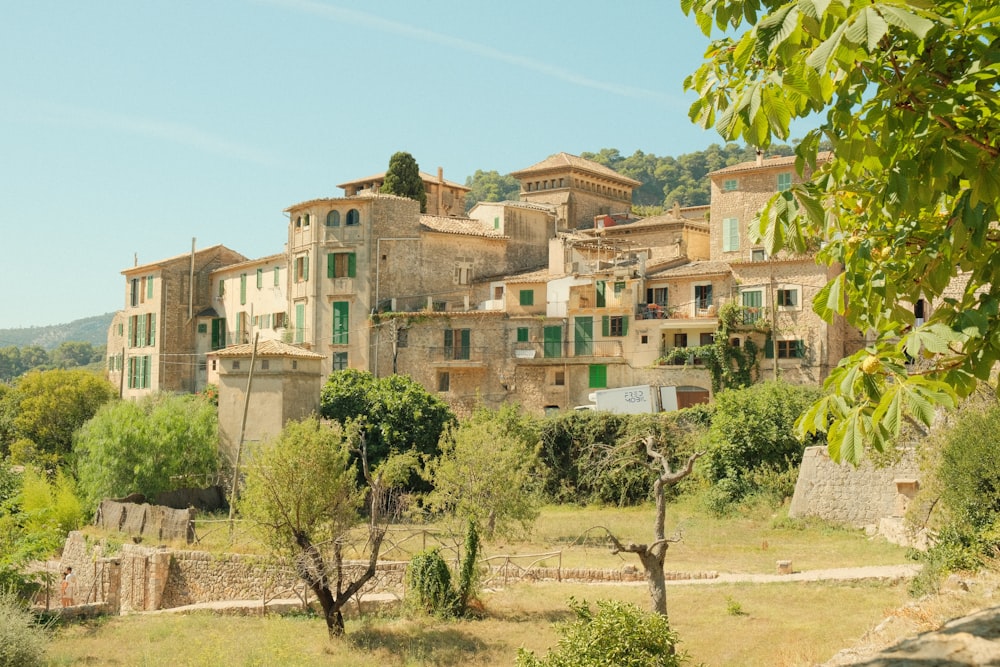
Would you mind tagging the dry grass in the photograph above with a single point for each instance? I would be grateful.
(783, 625)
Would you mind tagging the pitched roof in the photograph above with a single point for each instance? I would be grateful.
(424, 176)
(539, 276)
(183, 256)
(769, 163)
(531, 205)
(646, 223)
(692, 270)
(267, 348)
(563, 161)
(465, 226)
(333, 200)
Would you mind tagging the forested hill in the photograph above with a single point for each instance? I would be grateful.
(667, 179)
(93, 330)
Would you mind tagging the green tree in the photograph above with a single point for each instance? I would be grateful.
(403, 179)
(302, 496)
(156, 444)
(398, 414)
(488, 472)
(752, 441)
(76, 353)
(490, 186)
(45, 407)
(618, 634)
(905, 94)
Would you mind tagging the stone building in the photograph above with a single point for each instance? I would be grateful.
(443, 197)
(152, 341)
(579, 189)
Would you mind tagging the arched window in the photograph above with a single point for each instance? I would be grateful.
(298, 222)
(333, 219)
(353, 218)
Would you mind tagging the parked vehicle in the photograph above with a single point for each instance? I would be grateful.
(634, 400)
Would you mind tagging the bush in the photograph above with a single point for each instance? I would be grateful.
(752, 447)
(428, 580)
(22, 640)
(618, 634)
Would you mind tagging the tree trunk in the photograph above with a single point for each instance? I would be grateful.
(656, 581)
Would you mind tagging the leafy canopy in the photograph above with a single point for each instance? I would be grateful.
(403, 179)
(906, 93)
(160, 443)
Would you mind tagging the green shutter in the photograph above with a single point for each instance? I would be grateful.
(601, 300)
(331, 265)
(277, 276)
(305, 268)
(243, 289)
(624, 325)
(341, 322)
(449, 344)
(527, 297)
(260, 278)
(583, 336)
(152, 329)
(352, 265)
(140, 331)
(605, 325)
(149, 287)
(769, 348)
(598, 376)
(466, 344)
(522, 334)
(130, 324)
(300, 322)
(800, 349)
(553, 341)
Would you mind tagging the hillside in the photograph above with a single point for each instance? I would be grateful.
(93, 330)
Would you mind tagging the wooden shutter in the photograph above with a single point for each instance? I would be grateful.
(352, 265)
(601, 299)
(331, 265)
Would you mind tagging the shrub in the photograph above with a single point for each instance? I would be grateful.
(428, 580)
(22, 640)
(616, 634)
(752, 447)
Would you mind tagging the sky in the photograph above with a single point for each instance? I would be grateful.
(129, 127)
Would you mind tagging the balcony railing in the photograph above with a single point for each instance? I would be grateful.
(564, 349)
(457, 355)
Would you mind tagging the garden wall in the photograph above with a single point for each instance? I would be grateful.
(860, 496)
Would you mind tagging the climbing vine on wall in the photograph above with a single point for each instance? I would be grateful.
(730, 367)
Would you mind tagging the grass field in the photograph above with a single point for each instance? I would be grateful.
(777, 624)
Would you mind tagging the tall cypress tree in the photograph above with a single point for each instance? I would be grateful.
(403, 179)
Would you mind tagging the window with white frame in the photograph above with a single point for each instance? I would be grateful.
(730, 234)
(784, 181)
(788, 297)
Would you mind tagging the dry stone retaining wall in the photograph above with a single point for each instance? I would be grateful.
(859, 495)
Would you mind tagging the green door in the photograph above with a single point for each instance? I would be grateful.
(583, 336)
(553, 341)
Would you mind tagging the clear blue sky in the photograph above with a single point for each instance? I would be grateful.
(131, 126)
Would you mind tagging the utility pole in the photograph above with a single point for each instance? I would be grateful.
(243, 429)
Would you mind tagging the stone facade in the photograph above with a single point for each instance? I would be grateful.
(858, 496)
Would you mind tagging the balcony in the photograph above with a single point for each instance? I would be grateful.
(341, 286)
(457, 356)
(566, 349)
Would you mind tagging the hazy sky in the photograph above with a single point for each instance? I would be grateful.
(127, 127)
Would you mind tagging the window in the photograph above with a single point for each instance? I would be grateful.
(496, 222)
(791, 349)
(702, 296)
(402, 338)
(752, 310)
(730, 234)
(222, 288)
(353, 218)
(218, 333)
(260, 278)
(619, 288)
(444, 381)
(339, 361)
(614, 325)
(301, 269)
(214, 362)
(279, 320)
(265, 364)
(305, 220)
(559, 378)
(920, 312)
(277, 276)
(333, 219)
(341, 265)
(139, 371)
(644, 339)
(298, 222)
(149, 287)
(243, 289)
(598, 376)
(601, 300)
(463, 273)
(730, 184)
(758, 255)
(657, 295)
(456, 343)
(341, 322)
(527, 297)
(300, 322)
(202, 328)
(236, 364)
(788, 298)
(522, 334)
(142, 290)
(680, 340)
(784, 181)
(134, 292)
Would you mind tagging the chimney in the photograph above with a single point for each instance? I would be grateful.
(440, 202)
(760, 158)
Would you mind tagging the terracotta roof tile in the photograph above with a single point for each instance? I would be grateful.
(463, 226)
(769, 163)
(565, 160)
(267, 348)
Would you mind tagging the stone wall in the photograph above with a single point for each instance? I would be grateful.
(859, 496)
